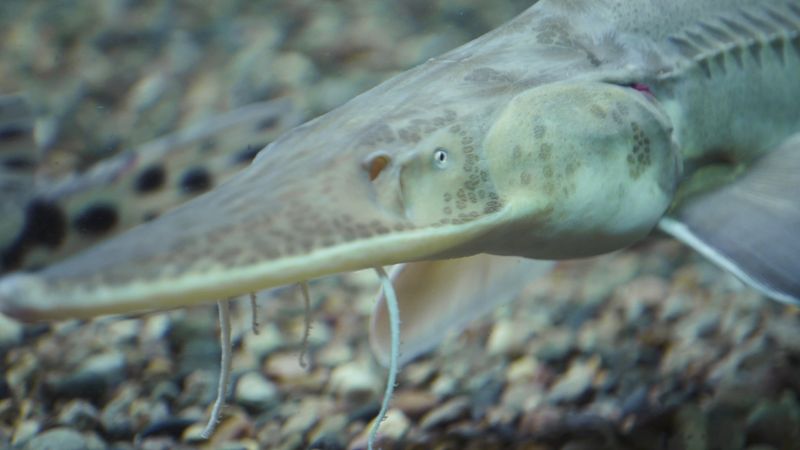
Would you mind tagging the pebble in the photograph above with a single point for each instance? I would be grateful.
(114, 417)
(96, 375)
(507, 337)
(268, 340)
(334, 354)
(308, 412)
(330, 429)
(444, 385)
(555, 346)
(521, 369)
(79, 414)
(414, 402)
(26, 430)
(285, 367)
(10, 333)
(447, 412)
(255, 392)
(393, 428)
(576, 383)
(60, 439)
(356, 381)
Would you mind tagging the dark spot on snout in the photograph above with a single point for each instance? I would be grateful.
(96, 219)
(150, 179)
(196, 180)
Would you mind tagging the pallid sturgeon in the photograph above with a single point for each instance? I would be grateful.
(573, 130)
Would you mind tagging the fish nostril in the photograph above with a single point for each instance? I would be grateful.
(375, 164)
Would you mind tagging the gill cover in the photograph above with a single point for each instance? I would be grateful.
(587, 168)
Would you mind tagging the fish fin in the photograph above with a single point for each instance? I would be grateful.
(751, 227)
(439, 297)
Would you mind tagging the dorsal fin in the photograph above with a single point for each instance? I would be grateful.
(746, 36)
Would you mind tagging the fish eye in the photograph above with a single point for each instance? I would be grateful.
(440, 157)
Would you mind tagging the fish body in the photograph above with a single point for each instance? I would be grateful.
(573, 130)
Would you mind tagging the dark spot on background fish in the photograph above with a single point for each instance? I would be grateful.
(96, 219)
(195, 180)
(151, 215)
(19, 163)
(12, 256)
(45, 224)
(150, 179)
(12, 132)
(247, 155)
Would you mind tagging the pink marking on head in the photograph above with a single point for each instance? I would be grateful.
(641, 87)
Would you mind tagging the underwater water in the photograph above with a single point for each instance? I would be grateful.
(649, 348)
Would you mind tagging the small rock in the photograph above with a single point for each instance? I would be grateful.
(444, 385)
(414, 402)
(256, 392)
(10, 333)
(701, 326)
(521, 369)
(93, 378)
(308, 413)
(285, 367)
(419, 373)
(115, 418)
(334, 354)
(25, 431)
(393, 428)
(58, 439)
(576, 383)
(450, 411)
(268, 340)
(355, 381)
(328, 431)
(123, 331)
(79, 414)
(506, 337)
(555, 346)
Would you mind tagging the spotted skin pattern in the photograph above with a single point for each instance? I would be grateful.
(65, 215)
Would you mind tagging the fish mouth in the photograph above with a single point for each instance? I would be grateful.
(280, 221)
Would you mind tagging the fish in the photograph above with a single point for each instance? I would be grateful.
(49, 217)
(576, 129)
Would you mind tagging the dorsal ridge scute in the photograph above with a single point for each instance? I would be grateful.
(742, 36)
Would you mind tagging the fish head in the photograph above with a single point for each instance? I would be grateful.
(584, 168)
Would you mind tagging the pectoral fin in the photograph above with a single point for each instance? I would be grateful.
(751, 226)
(439, 297)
